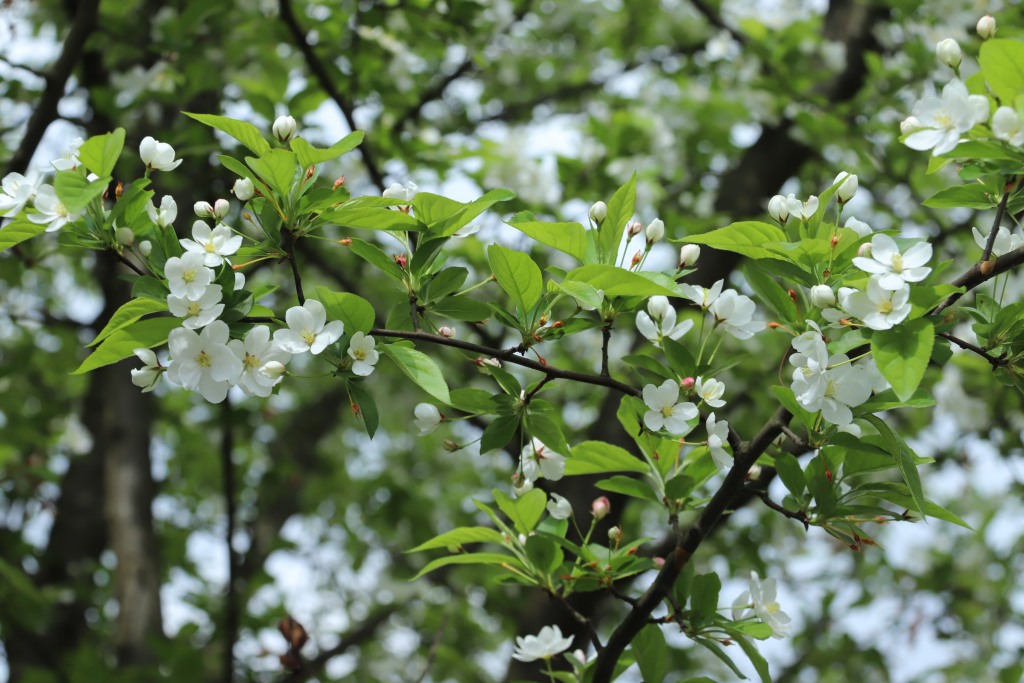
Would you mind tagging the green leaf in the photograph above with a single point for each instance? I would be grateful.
(746, 237)
(524, 511)
(470, 558)
(370, 218)
(1002, 63)
(461, 308)
(770, 292)
(75, 191)
(754, 629)
(375, 256)
(620, 210)
(499, 432)
(614, 281)
(904, 461)
(931, 508)
(246, 133)
(364, 407)
(902, 354)
(584, 294)
(353, 310)
(461, 536)
(791, 473)
(308, 155)
(973, 196)
(599, 457)
(517, 274)
(142, 334)
(627, 486)
(568, 238)
(19, 230)
(127, 314)
(472, 400)
(419, 368)
(545, 429)
(759, 662)
(717, 650)
(789, 402)
(276, 168)
(651, 653)
(100, 153)
(704, 596)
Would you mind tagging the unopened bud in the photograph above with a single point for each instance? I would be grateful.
(835, 241)
(792, 295)
(772, 325)
(778, 209)
(145, 247)
(247, 216)
(448, 332)
(822, 296)
(986, 27)
(987, 266)
(636, 258)
(203, 209)
(243, 189)
(909, 125)
(598, 212)
(655, 231)
(338, 183)
(688, 255)
(634, 228)
(687, 383)
(221, 208)
(557, 324)
(600, 508)
(949, 53)
(450, 446)
(284, 128)
(864, 250)
(310, 171)
(847, 188)
(400, 259)
(614, 534)
(118, 190)
(754, 473)
(273, 369)
(124, 236)
(481, 362)
(345, 241)
(580, 656)
(659, 562)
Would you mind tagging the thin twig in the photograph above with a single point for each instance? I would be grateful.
(995, 362)
(434, 645)
(996, 223)
(509, 356)
(606, 336)
(288, 237)
(799, 515)
(581, 619)
(124, 259)
(979, 274)
(414, 310)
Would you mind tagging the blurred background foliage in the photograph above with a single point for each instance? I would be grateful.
(113, 513)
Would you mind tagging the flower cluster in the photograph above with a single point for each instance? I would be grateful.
(830, 384)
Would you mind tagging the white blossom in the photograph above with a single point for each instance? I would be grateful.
(949, 53)
(655, 231)
(203, 362)
(847, 386)
(664, 409)
(187, 276)
(688, 255)
(198, 312)
(848, 186)
(540, 461)
(940, 122)
(860, 227)
(878, 308)
(718, 438)
(51, 210)
(284, 128)
(243, 189)
(598, 212)
(361, 349)
(18, 191)
(69, 157)
(260, 359)
(701, 296)
(809, 208)
(986, 27)
(1008, 126)
(146, 377)
(428, 417)
(545, 645)
(711, 391)
(404, 192)
(214, 244)
(895, 268)
(559, 507)
(165, 215)
(760, 600)
(660, 324)
(1005, 242)
(157, 155)
(308, 329)
(735, 313)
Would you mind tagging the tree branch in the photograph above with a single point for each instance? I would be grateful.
(227, 446)
(963, 344)
(979, 274)
(998, 221)
(357, 636)
(319, 71)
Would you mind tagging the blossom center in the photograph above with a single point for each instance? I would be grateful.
(308, 336)
(250, 361)
(359, 354)
(885, 306)
(188, 276)
(210, 248)
(897, 263)
(667, 411)
(194, 308)
(204, 360)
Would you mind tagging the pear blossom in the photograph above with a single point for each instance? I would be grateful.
(51, 210)
(243, 189)
(284, 128)
(360, 348)
(779, 208)
(878, 308)
(711, 391)
(18, 190)
(600, 507)
(1005, 242)
(257, 353)
(822, 296)
(157, 155)
(664, 409)
(811, 363)
(655, 231)
(895, 268)
(760, 601)
(718, 438)
(428, 417)
(203, 361)
(734, 312)
(214, 244)
(660, 324)
(165, 215)
(598, 212)
(146, 377)
(69, 157)
(847, 386)
(545, 645)
(308, 329)
(986, 27)
(540, 461)
(1007, 125)
(198, 312)
(404, 192)
(848, 186)
(809, 208)
(940, 122)
(187, 275)
(701, 296)
(860, 227)
(949, 53)
(559, 507)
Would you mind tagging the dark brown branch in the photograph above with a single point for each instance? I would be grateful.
(288, 237)
(45, 110)
(963, 344)
(432, 652)
(509, 356)
(326, 81)
(998, 221)
(227, 446)
(429, 95)
(799, 515)
(606, 337)
(979, 274)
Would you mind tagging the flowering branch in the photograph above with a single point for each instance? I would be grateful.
(979, 274)
(509, 356)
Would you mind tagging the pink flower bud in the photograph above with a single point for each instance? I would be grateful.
(687, 383)
(221, 208)
(659, 562)
(600, 508)
(448, 332)
(635, 228)
(864, 250)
